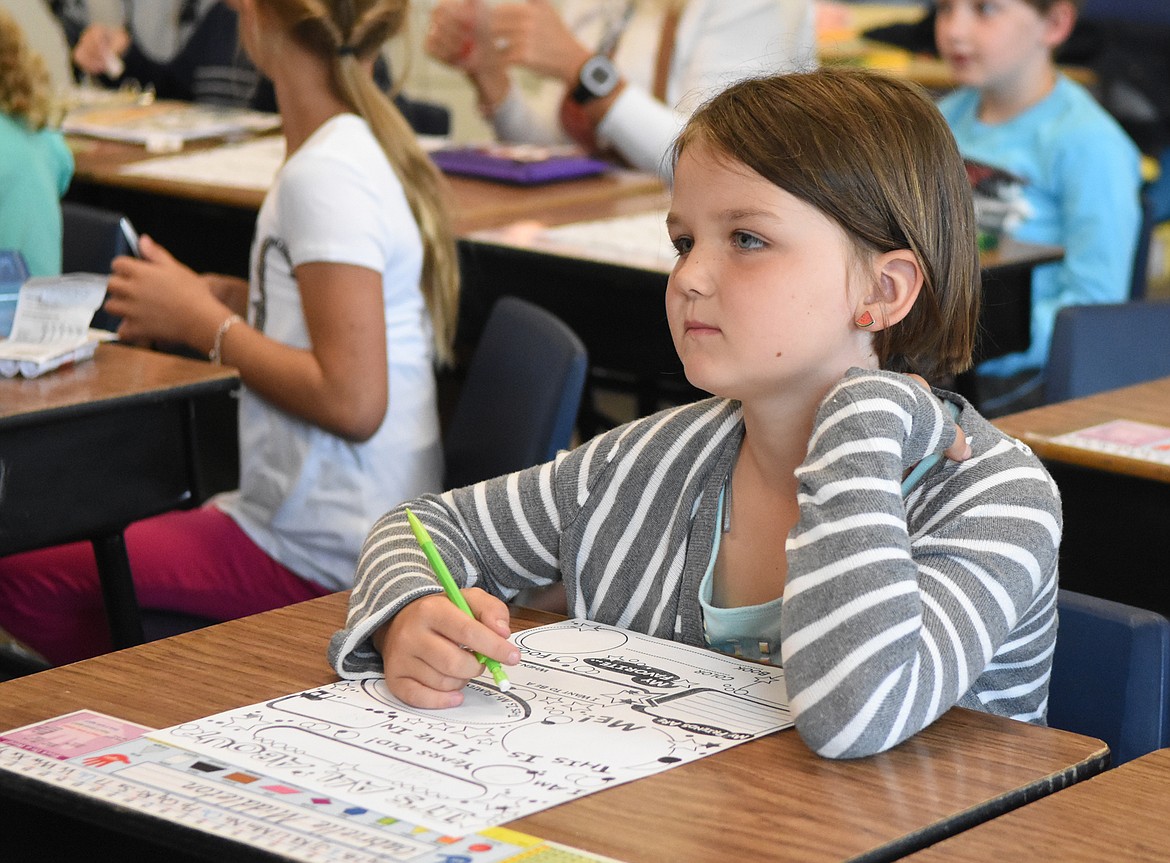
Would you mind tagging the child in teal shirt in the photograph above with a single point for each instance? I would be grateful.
(35, 164)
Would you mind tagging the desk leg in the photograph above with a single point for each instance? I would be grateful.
(118, 590)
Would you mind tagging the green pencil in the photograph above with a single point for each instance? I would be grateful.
(453, 593)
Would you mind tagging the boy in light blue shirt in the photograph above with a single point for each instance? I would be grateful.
(1016, 111)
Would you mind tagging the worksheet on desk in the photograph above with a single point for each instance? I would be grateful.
(1125, 438)
(590, 707)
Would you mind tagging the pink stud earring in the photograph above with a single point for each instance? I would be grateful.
(866, 320)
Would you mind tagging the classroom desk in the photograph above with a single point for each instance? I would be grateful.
(926, 70)
(86, 450)
(586, 282)
(1115, 509)
(842, 40)
(1119, 815)
(966, 768)
(214, 223)
(615, 306)
(1146, 402)
(210, 226)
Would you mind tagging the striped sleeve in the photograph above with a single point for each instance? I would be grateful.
(502, 535)
(897, 609)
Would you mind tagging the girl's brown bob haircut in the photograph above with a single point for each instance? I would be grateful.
(873, 154)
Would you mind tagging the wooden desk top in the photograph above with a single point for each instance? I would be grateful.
(926, 70)
(956, 773)
(1119, 815)
(1148, 402)
(116, 373)
(1013, 253)
(477, 204)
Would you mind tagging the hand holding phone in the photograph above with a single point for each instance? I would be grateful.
(131, 236)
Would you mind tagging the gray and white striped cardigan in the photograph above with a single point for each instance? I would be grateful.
(894, 610)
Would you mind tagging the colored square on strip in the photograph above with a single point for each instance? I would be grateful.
(73, 734)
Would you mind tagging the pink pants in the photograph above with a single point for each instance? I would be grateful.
(196, 561)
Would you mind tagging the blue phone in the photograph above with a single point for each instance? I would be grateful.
(131, 236)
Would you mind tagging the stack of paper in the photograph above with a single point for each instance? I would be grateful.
(174, 122)
(51, 326)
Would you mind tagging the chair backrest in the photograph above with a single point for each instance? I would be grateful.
(1139, 281)
(519, 401)
(1102, 347)
(91, 237)
(1111, 674)
(1135, 11)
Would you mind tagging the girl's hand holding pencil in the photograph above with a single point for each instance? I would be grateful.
(432, 647)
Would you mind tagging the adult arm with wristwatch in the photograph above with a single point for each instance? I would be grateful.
(626, 74)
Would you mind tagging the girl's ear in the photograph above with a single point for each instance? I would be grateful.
(1059, 21)
(898, 281)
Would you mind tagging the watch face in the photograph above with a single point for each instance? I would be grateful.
(599, 76)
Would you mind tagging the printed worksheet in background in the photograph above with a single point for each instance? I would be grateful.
(640, 240)
(1125, 438)
(590, 707)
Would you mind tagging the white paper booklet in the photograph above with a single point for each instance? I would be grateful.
(51, 326)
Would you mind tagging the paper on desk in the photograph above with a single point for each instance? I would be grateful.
(173, 120)
(640, 240)
(251, 164)
(51, 325)
(590, 707)
(1125, 438)
(248, 165)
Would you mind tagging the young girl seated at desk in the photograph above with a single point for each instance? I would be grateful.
(354, 291)
(826, 257)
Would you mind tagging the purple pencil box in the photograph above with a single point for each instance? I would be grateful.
(522, 165)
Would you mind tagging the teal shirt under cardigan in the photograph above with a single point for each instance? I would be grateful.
(35, 170)
(1083, 178)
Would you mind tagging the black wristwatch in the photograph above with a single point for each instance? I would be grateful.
(596, 80)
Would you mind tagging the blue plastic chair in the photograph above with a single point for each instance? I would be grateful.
(1111, 674)
(519, 402)
(1134, 11)
(1140, 277)
(91, 238)
(1102, 347)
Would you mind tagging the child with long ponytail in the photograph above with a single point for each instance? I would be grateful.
(351, 301)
